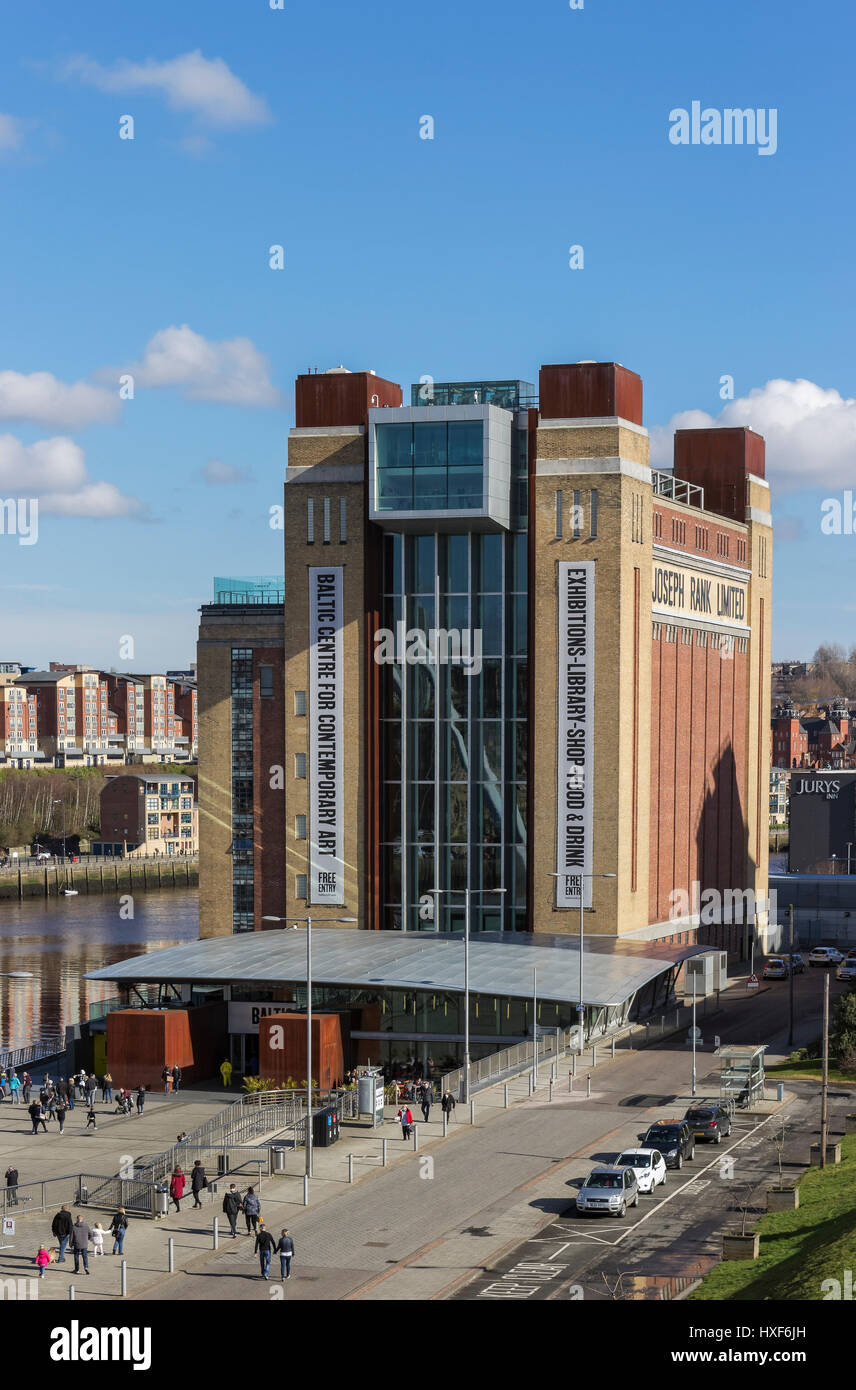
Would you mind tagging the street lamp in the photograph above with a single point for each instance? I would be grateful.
(467, 892)
(58, 802)
(580, 1005)
(294, 925)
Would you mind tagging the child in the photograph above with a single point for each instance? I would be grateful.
(90, 1118)
(43, 1259)
(97, 1239)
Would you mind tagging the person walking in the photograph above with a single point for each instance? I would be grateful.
(70, 1090)
(62, 1090)
(176, 1079)
(141, 1099)
(252, 1210)
(80, 1081)
(91, 1088)
(447, 1104)
(43, 1259)
(425, 1102)
(118, 1226)
(26, 1086)
(264, 1248)
(15, 1088)
(97, 1239)
(402, 1120)
(232, 1205)
(176, 1186)
(108, 1088)
(198, 1181)
(166, 1078)
(91, 1118)
(61, 1111)
(12, 1185)
(37, 1117)
(81, 1235)
(226, 1072)
(285, 1246)
(62, 1227)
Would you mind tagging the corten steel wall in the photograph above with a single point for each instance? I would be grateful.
(123, 807)
(280, 1063)
(590, 390)
(140, 1042)
(341, 398)
(719, 460)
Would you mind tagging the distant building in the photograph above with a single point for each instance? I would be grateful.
(148, 813)
(824, 739)
(779, 795)
(19, 746)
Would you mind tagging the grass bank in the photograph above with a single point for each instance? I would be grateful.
(810, 1070)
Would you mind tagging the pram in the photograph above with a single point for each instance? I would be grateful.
(124, 1104)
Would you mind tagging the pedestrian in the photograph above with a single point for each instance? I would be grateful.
(141, 1099)
(15, 1088)
(43, 1259)
(91, 1088)
(108, 1088)
(12, 1185)
(232, 1205)
(27, 1081)
(176, 1186)
(447, 1104)
(285, 1246)
(198, 1181)
(50, 1105)
(176, 1079)
(70, 1089)
(91, 1119)
(81, 1235)
(37, 1116)
(80, 1080)
(252, 1210)
(62, 1089)
(118, 1226)
(62, 1227)
(226, 1072)
(61, 1112)
(2, 1083)
(264, 1248)
(166, 1078)
(425, 1103)
(97, 1239)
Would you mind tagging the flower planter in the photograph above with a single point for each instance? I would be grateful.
(783, 1198)
(738, 1247)
(833, 1154)
(850, 1124)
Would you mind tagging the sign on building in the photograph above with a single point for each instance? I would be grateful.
(326, 737)
(575, 752)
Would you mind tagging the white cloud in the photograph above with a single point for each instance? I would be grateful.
(219, 474)
(11, 132)
(232, 371)
(810, 433)
(40, 399)
(204, 86)
(54, 470)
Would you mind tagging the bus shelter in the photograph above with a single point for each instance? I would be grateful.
(741, 1075)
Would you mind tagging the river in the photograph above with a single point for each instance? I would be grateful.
(59, 939)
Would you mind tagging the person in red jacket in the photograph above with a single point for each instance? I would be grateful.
(176, 1187)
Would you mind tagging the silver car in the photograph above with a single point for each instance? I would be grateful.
(608, 1189)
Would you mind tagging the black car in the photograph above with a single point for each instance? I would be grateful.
(674, 1139)
(709, 1121)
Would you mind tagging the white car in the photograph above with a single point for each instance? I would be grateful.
(846, 970)
(824, 955)
(649, 1166)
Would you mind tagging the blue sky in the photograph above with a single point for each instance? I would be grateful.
(446, 256)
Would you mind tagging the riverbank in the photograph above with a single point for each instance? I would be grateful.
(113, 876)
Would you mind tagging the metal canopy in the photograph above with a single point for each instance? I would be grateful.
(403, 960)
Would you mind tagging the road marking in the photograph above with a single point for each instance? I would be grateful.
(697, 1185)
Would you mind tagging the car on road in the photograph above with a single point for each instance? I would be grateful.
(42, 856)
(846, 970)
(673, 1138)
(776, 969)
(609, 1189)
(851, 954)
(797, 963)
(649, 1166)
(709, 1121)
(824, 955)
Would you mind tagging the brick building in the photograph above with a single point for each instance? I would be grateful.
(148, 813)
(813, 739)
(513, 659)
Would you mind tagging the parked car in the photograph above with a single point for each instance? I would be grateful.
(673, 1138)
(776, 969)
(851, 954)
(824, 955)
(609, 1189)
(846, 970)
(797, 963)
(649, 1166)
(43, 856)
(709, 1121)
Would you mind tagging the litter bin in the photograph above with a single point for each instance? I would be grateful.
(222, 1165)
(161, 1200)
(780, 1091)
(325, 1126)
(278, 1156)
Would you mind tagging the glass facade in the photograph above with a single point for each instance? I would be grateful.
(454, 751)
(508, 395)
(242, 789)
(434, 466)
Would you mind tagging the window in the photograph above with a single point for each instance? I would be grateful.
(343, 520)
(575, 515)
(301, 886)
(300, 702)
(310, 521)
(326, 514)
(151, 820)
(300, 827)
(560, 503)
(593, 518)
(300, 766)
(430, 466)
(266, 682)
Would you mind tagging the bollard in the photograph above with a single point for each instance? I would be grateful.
(570, 1082)
(384, 1143)
(216, 1230)
(588, 1085)
(71, 1292)
(445, 1124)
(505, 1096)
(552, 1072)
(594, 1054)
(677, 1017)
(647, 1033)
(574, 1065)
(550, 1090)
(171, 1255)
(124, 1273)
(415, 1138)
(780, 1091)
(613, 1048)
(472, 1112)
(530, 1083)
(306, 1189)
(350, 1167)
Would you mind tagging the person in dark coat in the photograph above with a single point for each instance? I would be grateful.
(264, 1248)
(447, 1104)
(61, 1111)
(62, 1227)
(425, 1102)
(232, 1205)
(176, 1078)
(12, 1184)
(252, 1210)
(118, 1226)
(141, 1099)
(81, 1235)
(198, 1181)
(37, 1117)
(285, 1246)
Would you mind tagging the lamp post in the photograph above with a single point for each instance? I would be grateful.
(467, 892)
(58, 802)
(294, 926)
(849, 847)
(581, 1006)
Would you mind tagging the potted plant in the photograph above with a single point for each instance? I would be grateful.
(782, 1196)
(742, 1244)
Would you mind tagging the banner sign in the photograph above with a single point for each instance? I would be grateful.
(326, 738)
(681, 591)
(575, 752)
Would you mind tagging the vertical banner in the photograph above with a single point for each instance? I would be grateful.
(575, 751)
(326, 738)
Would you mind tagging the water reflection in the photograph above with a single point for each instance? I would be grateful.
(59, 940)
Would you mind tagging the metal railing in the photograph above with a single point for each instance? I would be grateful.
(79, 1190)
(28, 1056)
